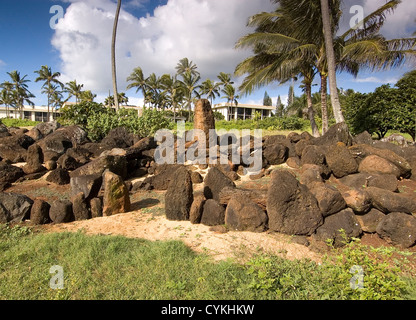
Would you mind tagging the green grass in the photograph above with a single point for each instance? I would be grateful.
(109, 267)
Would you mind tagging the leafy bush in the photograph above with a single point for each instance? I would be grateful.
(9, 122)
(100, 123)
(79, 114)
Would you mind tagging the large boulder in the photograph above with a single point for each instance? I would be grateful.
(46, 128)
(398, 228)
(61, 211)
(197, 207)
(370, 220)
(364, 180)
(340, 161)
(118, 138)
(336, 133)
(361, 151)
(14, 207)
(9, 174)
(387, 201)
(34, 160)
(39, 214)
(116, 195)
(89, 185)
(179, 196)
(115, 164)
(276, 154)
(14, 148)
(214, 182)
(331, 229)
(291, 207)
(58, 176)
(213, 213)
(377, 165)
(329, 199)
(243, 214)
(163, 176)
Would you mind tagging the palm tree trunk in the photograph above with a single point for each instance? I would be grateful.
(324, 102)
(311, 113)
(329, 46)
(113, 55)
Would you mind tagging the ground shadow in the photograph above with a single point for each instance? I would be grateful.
(145, 203)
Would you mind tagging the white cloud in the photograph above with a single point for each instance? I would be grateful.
(2, 63)
(205, 31)
(376, 80)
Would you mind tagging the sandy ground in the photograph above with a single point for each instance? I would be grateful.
(232, 244)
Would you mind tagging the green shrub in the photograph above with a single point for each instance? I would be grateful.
(9, 122)
(79, 114)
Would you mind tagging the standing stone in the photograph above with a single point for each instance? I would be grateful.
(291, 207)
(96, 206)
(214, 182)
(197, 208)
(179, 196)
(116, 195)
(39, 214)
(79, 207)
(204, 117)
(213, 214)
(14, 207)
(34, 160)
(398, 228)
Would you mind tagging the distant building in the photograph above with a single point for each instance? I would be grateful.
(243, 111)
(33, 113)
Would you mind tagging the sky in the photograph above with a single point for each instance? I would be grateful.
(155, 35)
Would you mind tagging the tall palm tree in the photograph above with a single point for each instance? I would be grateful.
(191, 86)
(74, 90)
(293, 34)
(330, 55)
(185, 66)
(174, 91)
(50, 78)
(6, 97)
(231, 96)
(20, 93)
(154, 89)
(113, 54)
(211, 89)
(138, 81)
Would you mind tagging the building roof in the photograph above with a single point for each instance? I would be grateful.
(242, 105)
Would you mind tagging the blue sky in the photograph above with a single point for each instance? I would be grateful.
(153, 34)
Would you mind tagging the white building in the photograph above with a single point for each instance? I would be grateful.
(243, 111)
(33, 113)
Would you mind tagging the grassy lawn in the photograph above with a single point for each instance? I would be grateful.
(109, 267)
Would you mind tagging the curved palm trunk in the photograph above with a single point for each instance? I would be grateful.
(324, 102)
(113, 55)
(311, 113)
(329, 47)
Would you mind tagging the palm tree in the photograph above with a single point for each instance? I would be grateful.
(6, 97)
(174, 91)
(211, 89)
(190, 83)
(113, 54)
(74, 90)
(56, 100)
(50, 78)
(154, 88)
(231, 96)
(290, 36)
(330, 55)
(138, 81)
(185, 66)
(87, 96)
(20, 93)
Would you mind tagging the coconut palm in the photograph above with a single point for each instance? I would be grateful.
(20, 92)
(210, 89)
(113, 54)
(190, 83)
(50, 78)
(230, 95)
(138, 81)
(74, 90)
(185, 66)
(6, 95)
(174, 90)
(291, 35)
